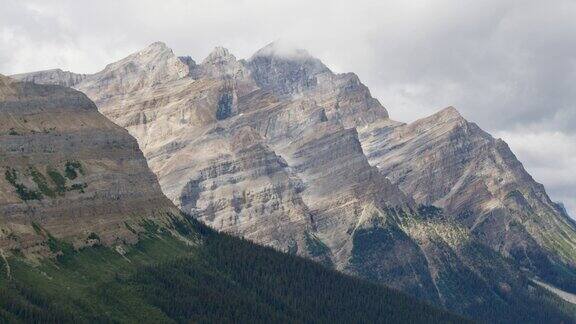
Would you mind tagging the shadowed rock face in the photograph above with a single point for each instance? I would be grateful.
(280, 150)
(68, 171)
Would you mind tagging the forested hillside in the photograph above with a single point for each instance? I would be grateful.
(213, 278)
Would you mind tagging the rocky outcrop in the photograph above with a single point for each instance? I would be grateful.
(69, 173)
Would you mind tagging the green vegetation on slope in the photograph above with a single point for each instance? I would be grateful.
(55, 186)
(24, 193)
(223, 279)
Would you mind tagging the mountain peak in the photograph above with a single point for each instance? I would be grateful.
(448, 115)
(153, 50)
(156, 46)
(441, 122)
(219, 54)
(153, 54)
(220, 63)
(449, 111)
(152, 65)
(283, 50)
(285, 69)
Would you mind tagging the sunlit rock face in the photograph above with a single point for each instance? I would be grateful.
(69, 172)
(282, 151)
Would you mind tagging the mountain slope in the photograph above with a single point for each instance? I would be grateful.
(273, 149)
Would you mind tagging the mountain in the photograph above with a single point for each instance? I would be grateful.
(281, 151)
(87, 236)
(446, 161)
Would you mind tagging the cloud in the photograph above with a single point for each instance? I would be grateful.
(550, 157)
(508, 65)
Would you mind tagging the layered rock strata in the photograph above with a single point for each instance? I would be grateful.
(68, 172)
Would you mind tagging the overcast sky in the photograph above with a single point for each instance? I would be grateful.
(509, 66)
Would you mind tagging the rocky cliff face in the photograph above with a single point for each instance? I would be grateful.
(69, 173)
(282, 151)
